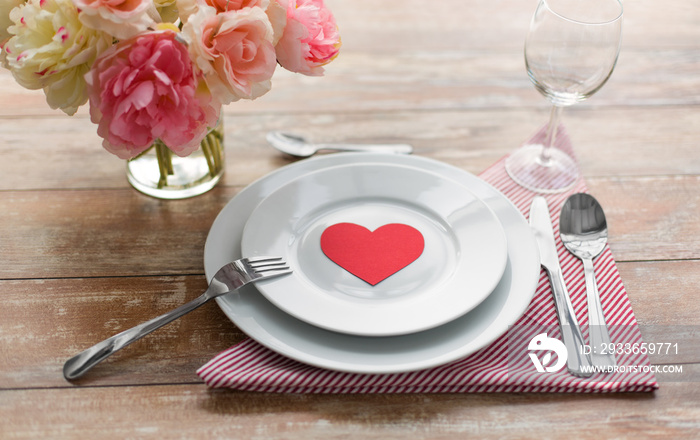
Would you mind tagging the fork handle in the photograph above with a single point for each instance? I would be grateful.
(82, 362)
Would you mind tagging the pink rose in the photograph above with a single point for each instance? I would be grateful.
(234, 51)
(119, 18)
(145, 88)
(310, 39)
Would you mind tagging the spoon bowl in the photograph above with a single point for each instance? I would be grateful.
(297, 146)
(582, 226)
(584, 232)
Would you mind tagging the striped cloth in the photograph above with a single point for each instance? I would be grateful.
(502, 366)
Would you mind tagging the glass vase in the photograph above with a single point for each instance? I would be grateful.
(160, 173)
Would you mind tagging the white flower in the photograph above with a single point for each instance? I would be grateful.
(167, 10)
(52, 50)
(185, 8)
(5, 7)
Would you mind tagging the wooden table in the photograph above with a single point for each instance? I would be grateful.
(84, 256)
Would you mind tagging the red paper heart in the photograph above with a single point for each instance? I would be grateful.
(372, 255)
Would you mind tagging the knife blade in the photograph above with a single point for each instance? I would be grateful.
(578, 363)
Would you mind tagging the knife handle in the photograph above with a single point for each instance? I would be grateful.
(577, 362)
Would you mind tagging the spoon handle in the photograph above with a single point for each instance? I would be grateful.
(602, 353)
(369, 148)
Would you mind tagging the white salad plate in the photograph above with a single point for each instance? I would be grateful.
(256, 316)
(462, 261)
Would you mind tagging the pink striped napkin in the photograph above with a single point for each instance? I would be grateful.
(495, 368)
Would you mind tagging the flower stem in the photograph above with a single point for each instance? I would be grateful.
(209, 156)
(165, 162)
(219, 150)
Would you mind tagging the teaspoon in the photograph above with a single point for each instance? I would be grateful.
(584, 232)
(295, 145)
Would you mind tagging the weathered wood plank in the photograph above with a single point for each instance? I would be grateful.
(44, 322)
(460, 54)
(648, 216)
(446, 79)
(66, 153)
(192, 411)
(661, 291)
(503, 23)
(48, 234)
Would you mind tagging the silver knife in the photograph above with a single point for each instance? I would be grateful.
(578, 363)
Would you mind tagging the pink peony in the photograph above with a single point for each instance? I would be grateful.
(119, 18)
(145, 88)
(234, 50)
(310, 39)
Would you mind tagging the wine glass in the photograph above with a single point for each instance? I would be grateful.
(570, 51)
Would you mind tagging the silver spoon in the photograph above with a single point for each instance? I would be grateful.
(295, 145)
(584, 232)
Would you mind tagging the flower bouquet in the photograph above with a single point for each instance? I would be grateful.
(156, 73)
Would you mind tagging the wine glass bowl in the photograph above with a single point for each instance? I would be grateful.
(571, 50)
(569, 57)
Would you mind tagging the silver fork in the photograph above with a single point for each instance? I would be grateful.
(231, 277)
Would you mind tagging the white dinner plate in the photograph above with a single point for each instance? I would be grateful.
(463, 257)
(281, 332)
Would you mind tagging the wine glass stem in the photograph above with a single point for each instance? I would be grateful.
(552, 129)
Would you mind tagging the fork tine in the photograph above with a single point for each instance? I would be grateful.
(268, 263)
(269, 273)
(269, 268)
(262, 259)
(266, 270)
(276, 262)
